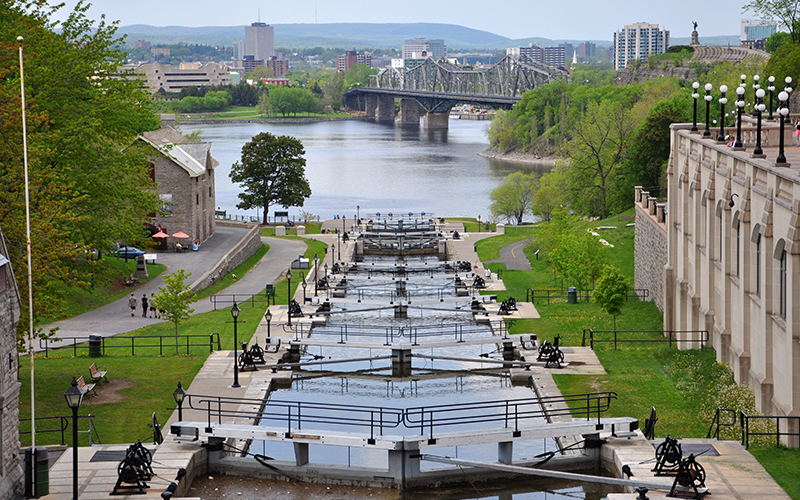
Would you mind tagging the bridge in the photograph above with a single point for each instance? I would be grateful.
(437, 86)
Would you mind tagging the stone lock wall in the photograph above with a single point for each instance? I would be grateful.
(650, 253)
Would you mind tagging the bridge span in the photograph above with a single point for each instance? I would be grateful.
(435, 87)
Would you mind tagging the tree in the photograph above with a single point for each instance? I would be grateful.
(174, 299)
(776, 40)
(89, 188)
(551, 194)
(785, 11)
(358, 74)
(260, 72)
(611, 292)
(286, 100)
(597, 146)
(272, 170)
(512, 198)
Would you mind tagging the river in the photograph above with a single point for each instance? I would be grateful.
(381, 168)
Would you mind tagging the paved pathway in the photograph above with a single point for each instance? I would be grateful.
(114, 318)
(513, 256)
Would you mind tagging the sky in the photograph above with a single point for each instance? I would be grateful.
(564, 19)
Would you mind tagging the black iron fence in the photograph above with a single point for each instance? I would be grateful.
(791, 427)
(560, 295)
(62, 423)
(296, 415)
(621, 337)
(392, 334)
(132, 342)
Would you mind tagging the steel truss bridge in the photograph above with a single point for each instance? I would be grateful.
(437, 86)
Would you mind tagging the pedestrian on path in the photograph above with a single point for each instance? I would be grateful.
(144, 305)
(132, 304)
(153, 312)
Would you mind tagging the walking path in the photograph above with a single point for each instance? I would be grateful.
(513, 256)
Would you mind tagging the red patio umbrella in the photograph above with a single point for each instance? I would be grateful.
(180, 234)
(160, 234)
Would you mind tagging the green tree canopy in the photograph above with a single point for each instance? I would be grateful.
(551, 194)
(288, 100)
(174, 300)
(513, 197)
(611, 291)
(272, 170)
(785, 11)
(89, 188)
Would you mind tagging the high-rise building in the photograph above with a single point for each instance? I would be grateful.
(637, 42)
(569, 49)
(757, 29)
(587, 49)
(259, 41)
(350, 58)
(555, 56)
(435, 48)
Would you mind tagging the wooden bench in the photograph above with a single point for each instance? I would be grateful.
(98, 374)
(83, 386)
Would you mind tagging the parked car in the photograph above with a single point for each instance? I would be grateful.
(128, 252)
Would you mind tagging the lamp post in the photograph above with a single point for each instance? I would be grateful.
(304, 290)
(707, 131)
(268, 317)
(479, 223)
(756, 88)
(235, 315)
(739, 107)
(289, 296)
(788, 90)
(695, 95)
(74, 397)
(759, 107)
(179, 394)
(783, 110)
(316, 266)
(333, 251)
(722, 101)
(326, 269)
(344, 220)
(358, 212)
(339, 246)
(771, 89)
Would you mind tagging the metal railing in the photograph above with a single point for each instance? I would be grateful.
(296, 415)
(744, 422)
(717, 423)
(551, 294)
(508, 412)
(228, 299)
(392, 334)
(666, 336)
(64, 425)
(136, 342)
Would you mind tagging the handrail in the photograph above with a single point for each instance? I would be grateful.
(390, 334)
(616, 340)
(744, 422)
(552, 293)
(717, 420)
(82, 342)
(297, 414)
(64, 420)
(228, 299)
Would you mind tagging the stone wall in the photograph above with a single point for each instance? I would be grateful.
(11, 474)
(245, 249)
(650, 247)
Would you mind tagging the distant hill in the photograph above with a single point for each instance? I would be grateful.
(364, 36)
(345, 35)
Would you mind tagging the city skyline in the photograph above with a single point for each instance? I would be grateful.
(590, 23)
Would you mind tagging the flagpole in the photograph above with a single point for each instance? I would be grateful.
(28, 235)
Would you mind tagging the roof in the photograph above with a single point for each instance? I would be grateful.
(189, 155)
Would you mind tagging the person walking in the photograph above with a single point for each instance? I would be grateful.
(153, 312)
(144, 305)
(132, 304)
(796, 141)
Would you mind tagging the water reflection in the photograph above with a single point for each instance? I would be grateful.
(381, 167)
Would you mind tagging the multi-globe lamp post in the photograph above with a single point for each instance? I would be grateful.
(756, 88)
(707, 131)
(722, 101)
(771, 89)
(759, 108)
(739, 108)
(788, 90)
(695, 96)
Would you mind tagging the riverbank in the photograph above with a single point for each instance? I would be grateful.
(298, 119)
(513, 157)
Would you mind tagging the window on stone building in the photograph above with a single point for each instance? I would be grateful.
(166, 205)
(758, 265)
(738, 248)
(197, 199)
(782, 293)
(721, 217)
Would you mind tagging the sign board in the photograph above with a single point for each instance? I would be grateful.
(150, 256)
(281, 214)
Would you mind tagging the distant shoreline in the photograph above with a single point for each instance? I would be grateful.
(548, 162)
(297, 119)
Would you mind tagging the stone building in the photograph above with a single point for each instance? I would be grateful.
(184, 172)
(733, 226)
(160, 76)
(11, 473)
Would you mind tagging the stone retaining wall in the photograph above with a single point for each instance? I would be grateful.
(650, 247)
(245, 249)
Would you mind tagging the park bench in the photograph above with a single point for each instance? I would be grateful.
(132, 280)
(98, 374)
(84, 387)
